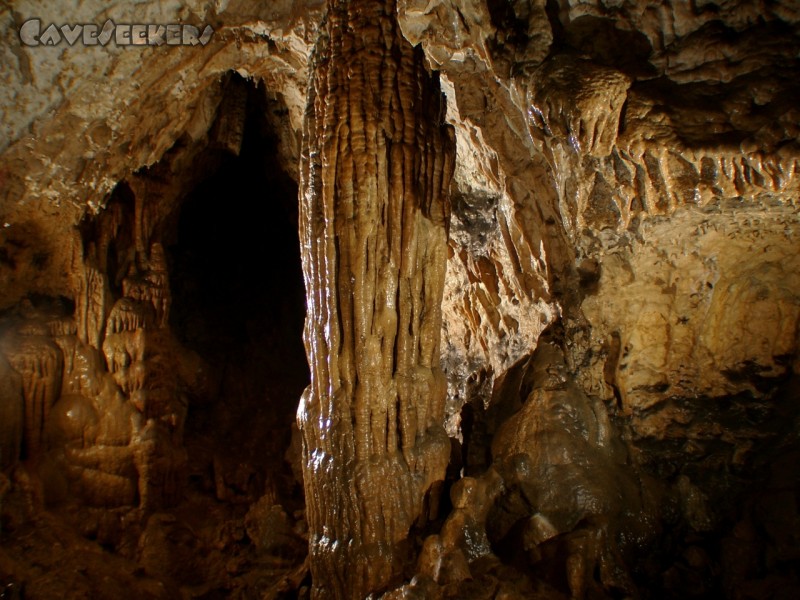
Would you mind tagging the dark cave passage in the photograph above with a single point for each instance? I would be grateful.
(239, 302)
(154, 409)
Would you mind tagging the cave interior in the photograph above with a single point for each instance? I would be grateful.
(591, 380)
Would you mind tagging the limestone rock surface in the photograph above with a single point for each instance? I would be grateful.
(562, 233)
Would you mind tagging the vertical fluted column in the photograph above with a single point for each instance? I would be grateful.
(376, 168)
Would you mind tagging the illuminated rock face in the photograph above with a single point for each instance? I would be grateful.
(376, 167)
(603, 319)
(635, 173)
(101, 392)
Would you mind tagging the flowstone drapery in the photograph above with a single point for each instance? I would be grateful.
(376, 168)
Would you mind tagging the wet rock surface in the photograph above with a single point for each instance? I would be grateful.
(376, 167)
(603, 318)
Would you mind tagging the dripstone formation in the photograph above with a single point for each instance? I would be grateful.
(402, 299)
(377, 161)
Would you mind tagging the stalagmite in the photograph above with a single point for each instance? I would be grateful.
(377, 163)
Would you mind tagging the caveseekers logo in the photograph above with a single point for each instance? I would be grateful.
(91, 34)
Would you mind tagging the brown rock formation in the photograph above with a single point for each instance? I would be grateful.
(604, 321)
(377, 163)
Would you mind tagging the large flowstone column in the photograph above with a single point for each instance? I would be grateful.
(376, 169)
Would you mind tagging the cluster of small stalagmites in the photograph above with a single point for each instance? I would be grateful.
(142, 360)
(377, 163)
(92, 399)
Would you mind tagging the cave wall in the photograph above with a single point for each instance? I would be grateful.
(624, 185)
(79, 119)
(634, 164)
(121, 398)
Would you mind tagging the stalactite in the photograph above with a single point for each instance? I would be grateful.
(39, 362)
(228, 130)
(150, 285)
(129, 315)
(91, 302)
(377, 164)
(12, 415)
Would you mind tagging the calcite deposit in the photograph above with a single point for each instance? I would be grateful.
(377, 161)
(400, 299)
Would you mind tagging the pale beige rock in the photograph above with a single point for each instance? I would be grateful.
(693, 318)
(578, 101)
(76, 120)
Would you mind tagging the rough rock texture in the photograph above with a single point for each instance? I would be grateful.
(376, 169)
(77, 119)
(619, 318)
(95, 360)
(661, 149)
